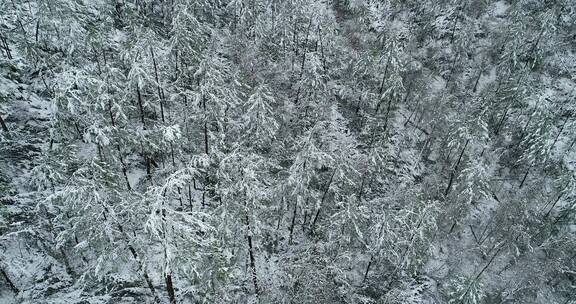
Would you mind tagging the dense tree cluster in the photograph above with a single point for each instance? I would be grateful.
(270, 151)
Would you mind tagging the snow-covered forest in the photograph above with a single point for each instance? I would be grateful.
(288, 151)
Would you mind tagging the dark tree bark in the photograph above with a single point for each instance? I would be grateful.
(140, 106)
(141, 265)
(120, 157)
(252, 258)
(368, 268)
(160, 93)
(9, 281)
(293, 222)
(454, 171)
(384, 75)
(170, 288)
(477, 80)
(303, 60)
(5, 47)
(525, 176)
(321, 202)
(206, 150)
(190, 196)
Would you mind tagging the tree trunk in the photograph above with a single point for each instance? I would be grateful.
(5, 46)
(9, 282)
(124, 170)
(190, 197)
(37, 31)
(452, 67)
(385, 73)
(170, 288)
(160, 94)
(556, 201)
(387, 113)
(408, 91)
(280, 215)
(477, 80)
(303, 60)
(322, 56)
(501, 122)
(559, 132)
(293, 222)
(368, 268)
(294, 45)
(305, 220)
(480, 274)
(321, 202)
(412, 114)
(304, 49)
(141, 265)
(453, 34)
(205, 125)
(140, 106)
(525, 176)
(252, 258)
(453, 173)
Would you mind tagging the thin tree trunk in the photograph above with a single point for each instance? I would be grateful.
(477, 80)
(322, 56)
(555, 202)
(303, 60)
(252, 258)
(528, 123)
(293, 222)
(172, 155)
(180, 196)
(67, 265)
(294, 44)
(452, 67)
(160, 94)
(412, 114)
(368, 268)
(388, 108)
(37, 31)
(124, 170)
(453, 173)
(480, 274)
(304, 47)
(525, 176)
(170, 288)
(501, 122)
(559, 132)
(280, 215)
(205, 125)
(447, 160)
(190, 196)
(140, 106)
(122, 163)
(305, 220)
(453, 34)
(533, 48)
(408, 91)
(6, 47)
(385, 73)
(321, 202)
(10, 283)
(141, 265)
